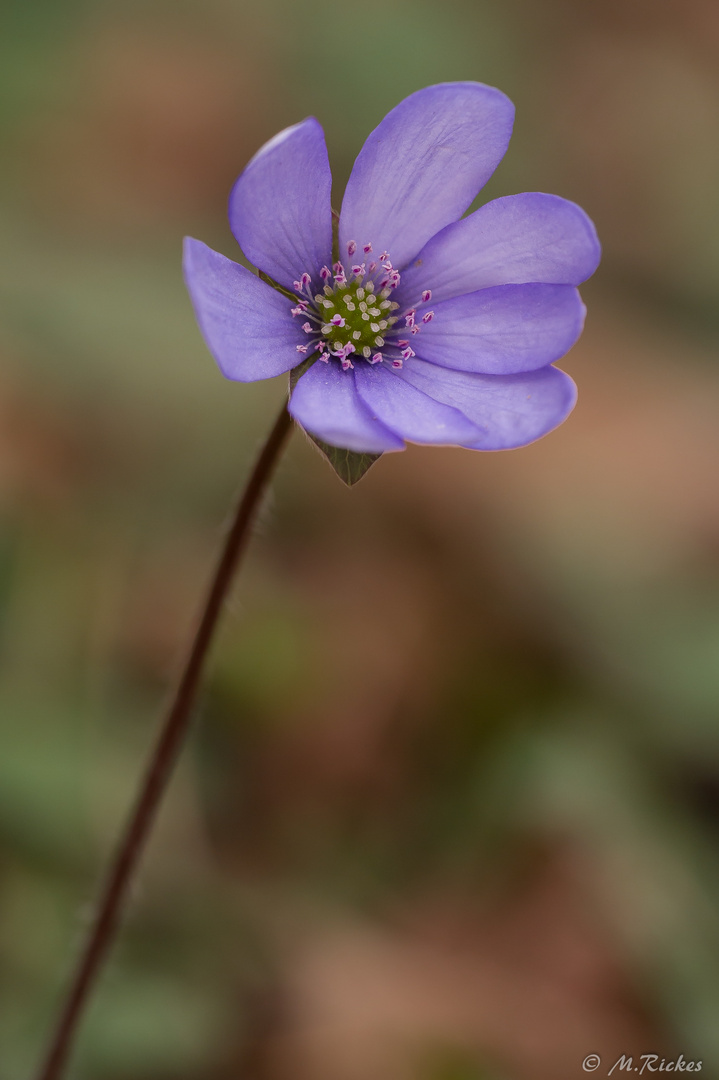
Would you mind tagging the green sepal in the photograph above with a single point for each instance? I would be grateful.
(275, 285)
(297, 372)
(349, 465)
(335, 237)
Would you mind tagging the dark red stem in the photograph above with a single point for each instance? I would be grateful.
(121, 872)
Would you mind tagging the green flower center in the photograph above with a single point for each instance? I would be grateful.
(355, 315)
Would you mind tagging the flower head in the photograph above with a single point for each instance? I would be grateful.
(426, 326)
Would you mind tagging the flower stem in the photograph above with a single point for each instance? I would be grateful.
(124, 866)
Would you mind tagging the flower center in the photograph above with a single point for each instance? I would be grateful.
(354, 314)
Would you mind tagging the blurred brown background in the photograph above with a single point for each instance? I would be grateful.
(451, 809)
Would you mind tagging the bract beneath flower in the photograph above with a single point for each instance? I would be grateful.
(425, 326)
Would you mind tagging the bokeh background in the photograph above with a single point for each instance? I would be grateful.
(451, 807)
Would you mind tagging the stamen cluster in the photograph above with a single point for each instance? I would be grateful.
(354, 315)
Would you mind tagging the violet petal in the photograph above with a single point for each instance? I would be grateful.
(503, 330)
(280, 210)
(509, 410)
(423, 165)
(409, 412)
(326, 403)
(512, 240)
(247, 325)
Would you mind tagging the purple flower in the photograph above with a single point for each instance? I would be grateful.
(427, 326)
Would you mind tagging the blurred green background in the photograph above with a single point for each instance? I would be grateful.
(451, 807)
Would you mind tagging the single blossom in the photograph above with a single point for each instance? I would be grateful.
(426, 326)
